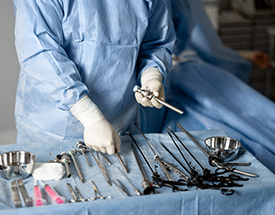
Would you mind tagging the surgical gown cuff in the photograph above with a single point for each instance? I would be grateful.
(151, 73)
(86, 111)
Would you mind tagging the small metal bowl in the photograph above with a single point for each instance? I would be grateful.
(225, 148)
(16, 164)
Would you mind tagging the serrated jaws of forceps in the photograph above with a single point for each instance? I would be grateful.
(72, 193)
(175, 170)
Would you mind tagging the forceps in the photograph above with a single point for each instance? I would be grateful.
(97, 192)
(76, 196)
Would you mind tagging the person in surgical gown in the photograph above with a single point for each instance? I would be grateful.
(208, 80)
(80, 60)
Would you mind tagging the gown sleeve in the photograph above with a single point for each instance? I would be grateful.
(43, 59)
(157, 45)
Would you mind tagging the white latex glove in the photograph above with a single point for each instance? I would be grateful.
(151, 79)
(99, 134)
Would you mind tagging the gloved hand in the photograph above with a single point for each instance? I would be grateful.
(151, 79)
(99, 134)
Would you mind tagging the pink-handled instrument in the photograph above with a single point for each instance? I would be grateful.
(38, 200)
(53, 194)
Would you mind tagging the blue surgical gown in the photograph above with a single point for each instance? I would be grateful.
(71, 48)
(209, 83)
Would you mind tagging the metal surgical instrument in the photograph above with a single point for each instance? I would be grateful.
(97, 192)
(90, 150)
(120, 188)
(148, 189)
(82, 149)
(150, 96)
(176, 170)
(105, 158)
(172, 168)
(121, 161)
(72, 155)
(80, 198)
(137, 192)
(65, 160)
(103, 171)
(15, 194)
(157, 181)
(23, 191)
(74, 197)
(212, 160)
(156, 157)
(205, 171)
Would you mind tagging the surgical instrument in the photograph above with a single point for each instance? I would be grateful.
(38, 200)
(150, 96)
(213, 161)
(96, 191)
(79, 195)
(137, 192)
(167, 164)
(72, 155)
(157, 181)
(23, 191)
(148, 189)
(65, 160)
(121, 161)
(236, 164)
(105, 158)
(156, 157)
(188, 163)
(74, 197)
(120, 188)
(216, 179)
(82, 149)
(176, 170)
(205, 171)
(103, 171)
(15, 194)
(56, 198)
(140, 152)
(91, 151)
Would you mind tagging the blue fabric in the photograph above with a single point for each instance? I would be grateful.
(67, 49)
(209, 83)
(256, 197)
(208, 45)
(213, 98)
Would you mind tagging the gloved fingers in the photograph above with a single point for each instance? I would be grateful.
(160, 94)
(143, 100)
(138, 97)
(156, 89)
(110, 150)
(146, 102)
(156, 93)
(117, 143)
(103, 149)
(95, 148)
(156, 103)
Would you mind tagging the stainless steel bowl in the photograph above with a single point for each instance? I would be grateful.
(225, 148)
(16, 164)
